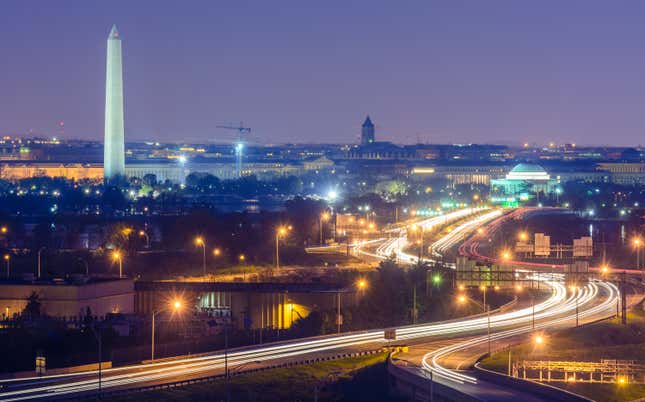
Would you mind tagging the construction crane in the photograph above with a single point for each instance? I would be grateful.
(239, 146)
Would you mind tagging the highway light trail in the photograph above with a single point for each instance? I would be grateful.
(395, 245)
(459, 233)
(556, 309)
(561, 315)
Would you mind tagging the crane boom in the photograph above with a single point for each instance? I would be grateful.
(239, 145)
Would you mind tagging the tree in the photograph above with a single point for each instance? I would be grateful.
(150, 180)
(32, 309)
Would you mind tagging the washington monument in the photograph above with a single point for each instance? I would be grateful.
(114, 149)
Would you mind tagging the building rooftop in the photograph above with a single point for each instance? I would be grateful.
(528, 168)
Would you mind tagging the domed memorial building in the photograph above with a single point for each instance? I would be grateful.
(522, 183)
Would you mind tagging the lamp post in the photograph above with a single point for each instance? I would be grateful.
(7, 258)
(324, 217)
(487, 309)
(419, 241)
(281, 231)
(200, 242)
(638, 243)
(339, 317)
(574, 289)
(242, 258)
(143, 233)
(98, 335)
(117, 256)
(176, 306)
(216, 253)
(488, 326)
(483, 289)
(40, 250)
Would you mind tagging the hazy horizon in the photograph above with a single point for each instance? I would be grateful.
(442, 71)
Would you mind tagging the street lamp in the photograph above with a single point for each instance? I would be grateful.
(7, 258)
(241, 258)
(487, 308)
(538, 339)
(281, 231)
(419, 241)
(175, 306)
(142, 233)
(200, 242)
(324, 217)
(4, 230)
(361, 284)
(483, 289)
(574, 289)
(523, 236)
(638, 243)
(117, 256)
(38, 261)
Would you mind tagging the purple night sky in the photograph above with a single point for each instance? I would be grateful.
(305, 71)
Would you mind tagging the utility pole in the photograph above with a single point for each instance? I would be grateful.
(414, 304)
(339, 317)
(226, 376)
(39, 270)
(488, 319)
(623, 298)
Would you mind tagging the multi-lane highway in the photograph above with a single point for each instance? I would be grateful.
(594, 301)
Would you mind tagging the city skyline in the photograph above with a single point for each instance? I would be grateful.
(434, 73)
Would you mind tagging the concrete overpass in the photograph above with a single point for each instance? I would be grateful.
(250, 305)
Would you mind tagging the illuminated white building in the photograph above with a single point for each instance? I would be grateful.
(522, 181)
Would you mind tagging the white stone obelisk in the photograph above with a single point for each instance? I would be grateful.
(114, 148)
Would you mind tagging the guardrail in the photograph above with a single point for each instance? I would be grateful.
(213, 378)
(417, 388)
(543, 390)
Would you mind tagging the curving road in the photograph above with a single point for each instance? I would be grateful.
(595, 300)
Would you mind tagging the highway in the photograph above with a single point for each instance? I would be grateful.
(556, 309)
(595, 300)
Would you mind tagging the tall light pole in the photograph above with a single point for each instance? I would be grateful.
(281, 231)
(216, 253)
(419, 241)
(242, 258)
(487, 309)
(40, 250)
(143, 233)
(324, 217)
(574, 289)
(638, 243)
(339, 317)
(176, 306)
(483, 289)
(117, 256)
(7, 258)
(200, 242)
